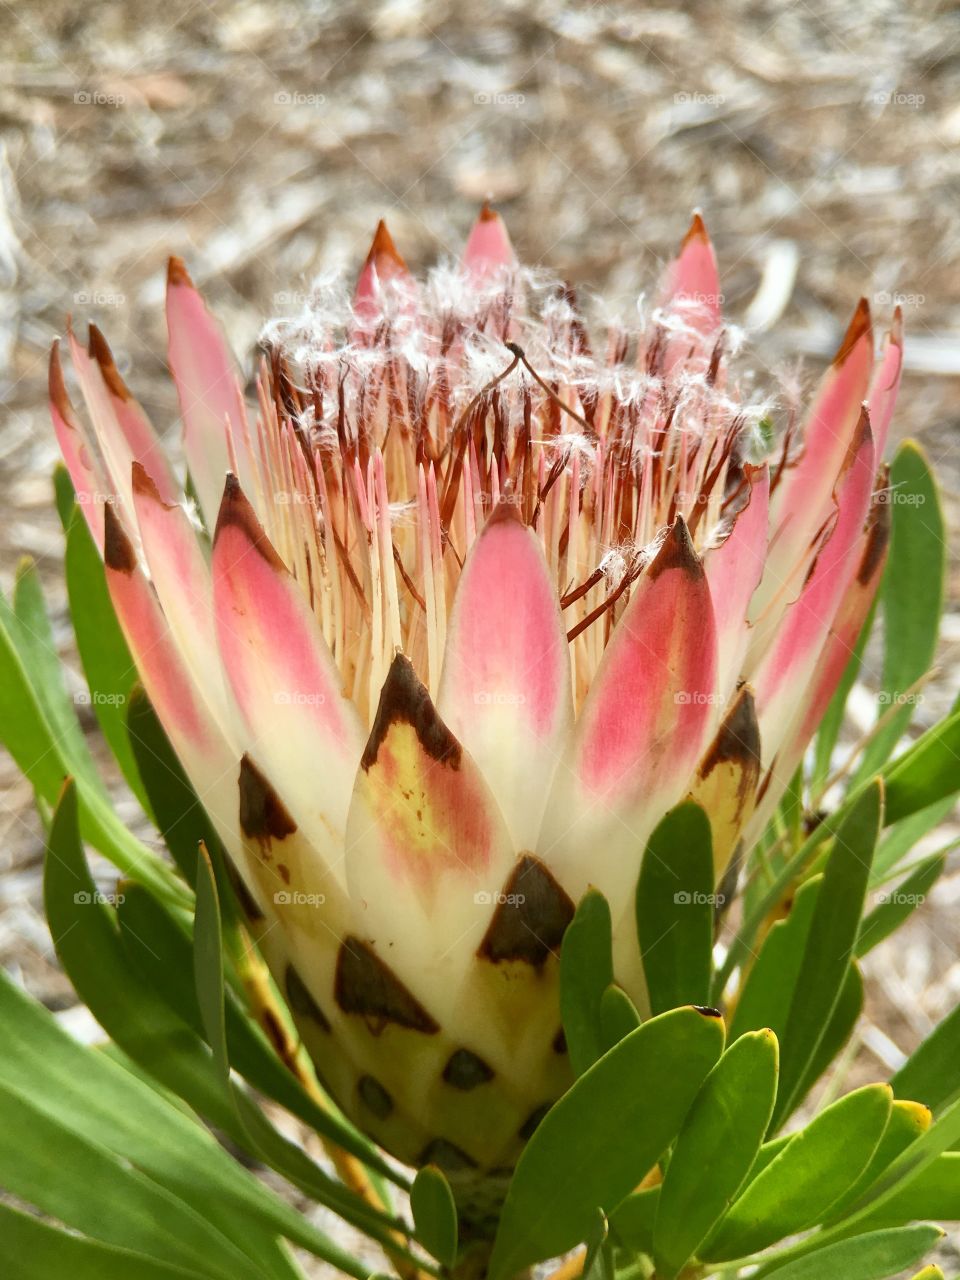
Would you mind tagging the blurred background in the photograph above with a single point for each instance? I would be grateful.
(262, 141)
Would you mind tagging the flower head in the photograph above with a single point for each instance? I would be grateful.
(485, 594)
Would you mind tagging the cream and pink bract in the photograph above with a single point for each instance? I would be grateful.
(468, 597)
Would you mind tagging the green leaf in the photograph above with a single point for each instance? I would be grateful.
(868, 1257)
(41, 1251)
(930, 1073)
(911, 596)
(834, 716)
(675, 910)
(208, 964)
(107, 663)
(904, 835)
(896, 905)
(929, 1272)
(598, 1142)
(618, 1016)
(797, 1189)
(829, 947)
(85, 1186)
(926, 772)
(435, 1214)
(26, 732)
(722, 1134)
(633, 1221)
(839, 1029)
(765, 999)
(598, 1262)
(586, 970)
(908, 1122)
(84, 1090)
(31, 627)
(181, 818)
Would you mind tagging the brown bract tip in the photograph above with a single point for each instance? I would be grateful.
(738, 738)
(676, 552)
(384, 249)
(696, 231)
(236, 512)
(896, 327)
(879, 523)
(405, 700)
(487, 213)
(99, 348)
(118, 550)
(507, 511)
(144, 483)
(858, 326)
(263, 815)
(177, 272)
(56, 386)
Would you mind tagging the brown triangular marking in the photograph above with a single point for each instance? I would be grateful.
(375, 1097)
(466, 1070)
(405, 700)
(263, 815)
(531, 918)
(301, 1001)
(365, 985)
(446, 1156)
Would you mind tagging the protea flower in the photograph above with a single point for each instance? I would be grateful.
(480, 602)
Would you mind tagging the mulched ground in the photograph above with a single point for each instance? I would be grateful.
(262, 141)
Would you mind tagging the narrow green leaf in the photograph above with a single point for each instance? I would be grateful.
(41, 1251)
(586, 970)
(797, 1189)
(107, 664)
(832, 722)
(926, 772)
(103, 1102)
(597, 1143)
(930, 1073)
(618, 1016)
(208, 963)
(721, 1135)
(868, 1257)
(676, 904)
(765, 999)
(598, 1262)
(85, 1186)
(159, 950)
(904, 836)
(908, 1122)
(435, 1214)
(895, 905)
(829, 947)
(840, 1028)
(30, 624)
(911, 596)
(632, 1222)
